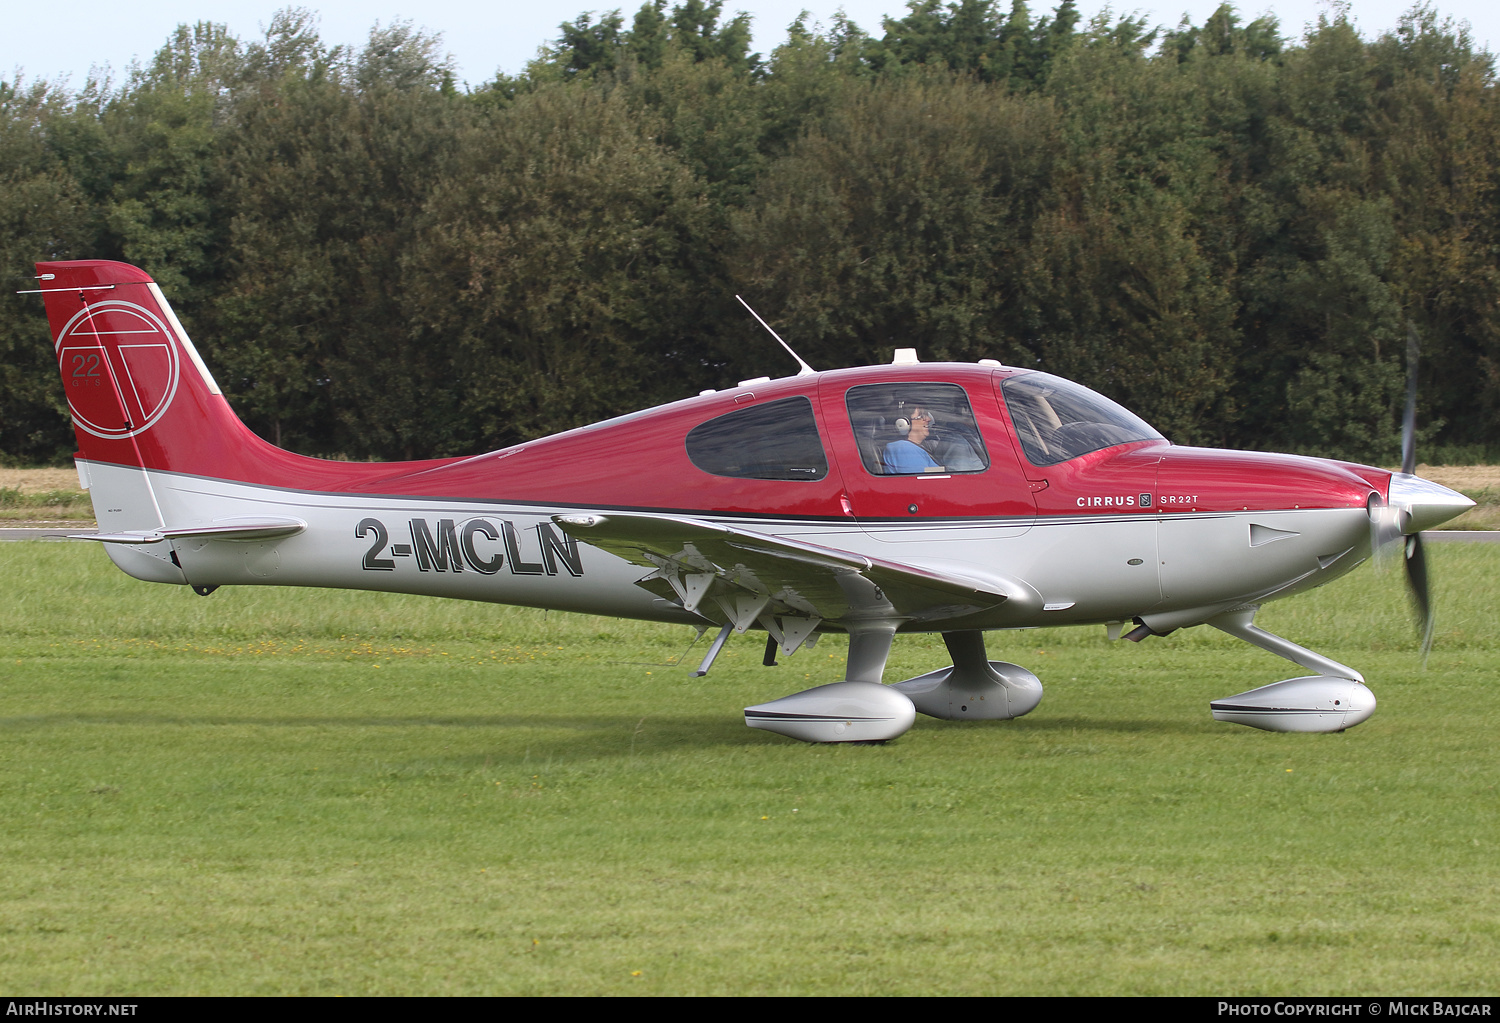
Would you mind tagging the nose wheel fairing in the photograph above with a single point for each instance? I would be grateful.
(1331, 701)
(1315, 703)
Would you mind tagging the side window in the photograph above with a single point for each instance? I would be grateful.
(906, 429)
(775, 441)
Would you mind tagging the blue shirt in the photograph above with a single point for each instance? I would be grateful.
(902, 457)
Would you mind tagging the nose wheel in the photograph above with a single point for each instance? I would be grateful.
(1334, 699)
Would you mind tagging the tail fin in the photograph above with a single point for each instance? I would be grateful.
(138, 391)
(143, 403)
(141, 396)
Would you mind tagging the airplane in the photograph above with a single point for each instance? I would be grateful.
(874, 501)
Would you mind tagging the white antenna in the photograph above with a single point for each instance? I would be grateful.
(806, 369)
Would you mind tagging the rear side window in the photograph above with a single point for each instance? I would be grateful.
(775, 441)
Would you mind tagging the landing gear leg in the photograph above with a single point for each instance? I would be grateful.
(859, 709)
(973, 687)
(1332, 700)
(713, 651)
(1241, 625)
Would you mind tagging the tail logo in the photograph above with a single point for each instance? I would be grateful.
(121, 368)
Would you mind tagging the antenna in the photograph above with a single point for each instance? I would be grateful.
(806, 369)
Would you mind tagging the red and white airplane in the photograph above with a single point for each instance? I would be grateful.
(913, 497)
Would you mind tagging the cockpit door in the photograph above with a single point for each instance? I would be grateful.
(1092, 466)
(927, 460)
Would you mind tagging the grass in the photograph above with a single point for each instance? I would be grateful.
(60, 505)
(1486, 511)
(307, 792)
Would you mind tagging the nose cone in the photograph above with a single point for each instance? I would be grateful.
(1424, 504)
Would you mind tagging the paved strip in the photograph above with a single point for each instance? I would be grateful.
(53, 533)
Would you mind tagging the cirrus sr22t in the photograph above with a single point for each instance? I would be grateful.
(914, 497)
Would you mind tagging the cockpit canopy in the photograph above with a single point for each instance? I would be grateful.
(912, 428)
(1057, 419)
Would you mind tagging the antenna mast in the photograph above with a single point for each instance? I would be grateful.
(806, 369)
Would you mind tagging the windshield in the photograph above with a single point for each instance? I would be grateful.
(1057, 419)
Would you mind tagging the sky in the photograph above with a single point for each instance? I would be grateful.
(485, 36)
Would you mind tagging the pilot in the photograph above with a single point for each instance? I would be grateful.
(906, 456)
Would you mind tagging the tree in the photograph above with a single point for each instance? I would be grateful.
(559, 267)
(900, 219)
(310, 327)
(44, 215)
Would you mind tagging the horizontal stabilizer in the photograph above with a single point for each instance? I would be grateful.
(222, 529)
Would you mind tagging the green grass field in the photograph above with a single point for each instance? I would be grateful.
(313, 792)
(17, 505)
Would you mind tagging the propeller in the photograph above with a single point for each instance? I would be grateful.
(1416, 578)
(1416, 559)
(1401, 516)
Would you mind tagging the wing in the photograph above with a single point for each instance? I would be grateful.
(789, 586)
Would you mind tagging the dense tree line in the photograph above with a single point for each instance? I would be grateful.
(1230, 231)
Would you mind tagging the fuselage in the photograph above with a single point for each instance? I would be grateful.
(1141, 529)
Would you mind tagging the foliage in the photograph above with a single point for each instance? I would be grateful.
(1231, 231)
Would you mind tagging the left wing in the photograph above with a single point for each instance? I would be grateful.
(789, 586)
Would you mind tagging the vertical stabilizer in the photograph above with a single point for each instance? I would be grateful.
(137, 389)
(141, 396)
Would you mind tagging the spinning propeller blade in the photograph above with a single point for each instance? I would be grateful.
(1409, 418)
(1413, 502)
(1385, 530)
(1416, 578)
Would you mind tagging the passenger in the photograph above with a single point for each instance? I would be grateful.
(907, 456)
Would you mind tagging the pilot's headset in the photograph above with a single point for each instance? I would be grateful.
(903, 423)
